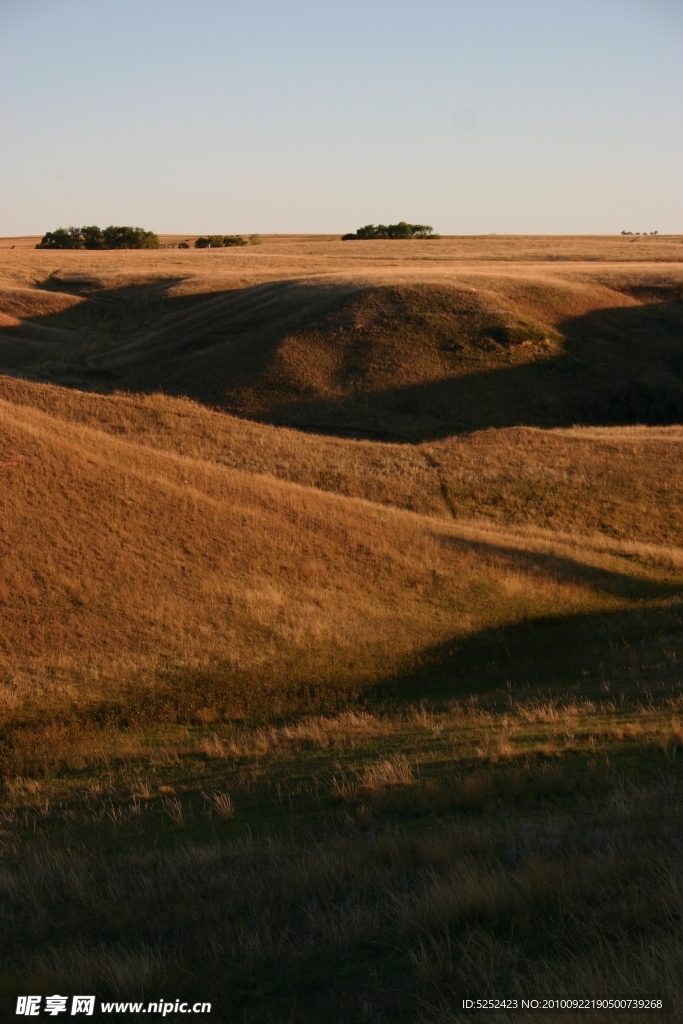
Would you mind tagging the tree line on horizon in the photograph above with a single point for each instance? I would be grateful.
(400, 230)
(93, 237)
(218, 241)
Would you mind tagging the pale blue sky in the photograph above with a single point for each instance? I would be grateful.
(529, 116)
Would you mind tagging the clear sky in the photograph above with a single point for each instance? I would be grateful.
(475, 116)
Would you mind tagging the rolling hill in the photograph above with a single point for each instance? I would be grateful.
(146, 564)
(404, 360)
(341, 624)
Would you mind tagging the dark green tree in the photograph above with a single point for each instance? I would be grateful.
(400, 230)
(129, 238)
(369, 231)
(209, 242)
(62, 238)
(93, 237)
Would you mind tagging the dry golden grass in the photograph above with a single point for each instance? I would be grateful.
(279, 709)
(120, 559)
(575, 892)
(314, 334)
(624, 482)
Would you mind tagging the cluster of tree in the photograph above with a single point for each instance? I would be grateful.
(93, 237)
(400, 230)
(218, 241)
(638, 232)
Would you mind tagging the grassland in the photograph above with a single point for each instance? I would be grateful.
(418, 346)
(341, 624)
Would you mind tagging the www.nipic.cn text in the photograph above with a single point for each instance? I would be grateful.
(53, 1006)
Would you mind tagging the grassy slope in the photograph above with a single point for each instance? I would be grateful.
(337, 347)
(625, 482)
(142, 559)
(151, 594)
(327, 728)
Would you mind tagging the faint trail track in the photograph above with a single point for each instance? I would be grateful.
(443, 486)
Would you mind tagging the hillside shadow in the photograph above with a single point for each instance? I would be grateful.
(599, 655)
(629, 655)
(616, 366)
(142, 338)
(596, 654)
(565, 569)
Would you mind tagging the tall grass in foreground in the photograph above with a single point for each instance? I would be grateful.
(582, 900)
(393, 861)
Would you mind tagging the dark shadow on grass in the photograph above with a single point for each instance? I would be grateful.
(613, 366)
(566, 570)
(595, 656)
(141, 339)
(618, 367)
(634, 652)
